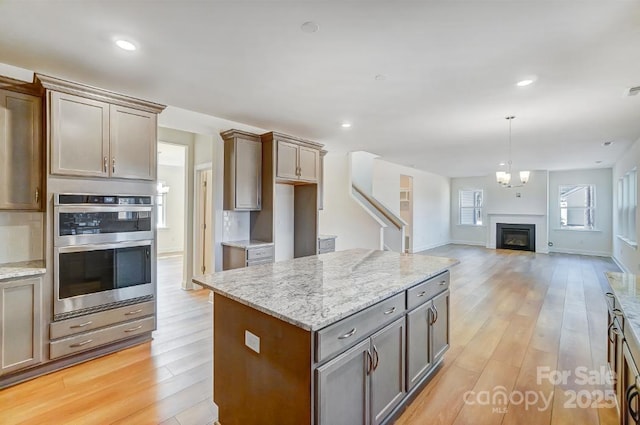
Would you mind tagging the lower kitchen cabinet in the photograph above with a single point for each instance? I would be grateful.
(440, 325)
(630, 411)
(20, 306)
(364, 384)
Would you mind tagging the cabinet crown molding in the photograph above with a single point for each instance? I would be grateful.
(273, 135)
(230, 134)
(69, 87)
(11, 84)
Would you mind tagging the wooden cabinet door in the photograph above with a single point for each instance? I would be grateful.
(342, 388)
(387, 377)
(79, 136)
(133, 143)
(629, 378)
(309, 163)
(20, 341)
(20, 151)
(440, 326)
(287, 161)
(248, 176)
(418, 355)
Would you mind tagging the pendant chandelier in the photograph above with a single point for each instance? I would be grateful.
(504, 178)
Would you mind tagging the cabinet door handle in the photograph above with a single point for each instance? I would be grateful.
(37, 195)
(434, 310)
(105, 163)
(632, 393)
(133, 329)
(609, 294)
(617, 312)
(442, 282)
(422, 294)
(130, 313)
(81, 325)
(113, 165)
(391, 310)
(80, 344)
(369, 361)
(348, 334)
(376, 358)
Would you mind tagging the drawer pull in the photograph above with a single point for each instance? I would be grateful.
(442, 282)
(80, 344)
(391, 310)
(348, 334)
(81, 325)
(133, 329)
(422, 294)
(609, 294)
(617, 312)
(130, 313)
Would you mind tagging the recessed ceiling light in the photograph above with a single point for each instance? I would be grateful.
(346, 125)
(608, 143)
(380, 77)
(126, 45)
(524, 83)
(502, 164)
(598, 162)
(310, 27)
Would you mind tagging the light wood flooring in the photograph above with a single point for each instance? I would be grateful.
(511, 312)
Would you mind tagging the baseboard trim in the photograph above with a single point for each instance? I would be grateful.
(426, 247)
(473, 243)
(619, 264)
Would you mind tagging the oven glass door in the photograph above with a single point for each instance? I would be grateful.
(93, 268)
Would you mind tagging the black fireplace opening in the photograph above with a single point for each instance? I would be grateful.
(516, 236)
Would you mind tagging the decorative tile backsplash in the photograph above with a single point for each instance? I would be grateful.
(235, 225)
(21, 236)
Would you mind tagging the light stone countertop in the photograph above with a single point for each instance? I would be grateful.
(626, 288)
(316, 291)
(22, 269)
(246, 244)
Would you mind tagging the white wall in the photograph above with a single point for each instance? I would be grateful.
(596, 242)
(171, 238)
(626, 256)
(362, 164)
(342, 216)
(531, 204)
(431, 193)
(21, 236)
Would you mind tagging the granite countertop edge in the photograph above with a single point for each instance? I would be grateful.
(309, 323)
(22, 269)
(246, 244)
(629, 303)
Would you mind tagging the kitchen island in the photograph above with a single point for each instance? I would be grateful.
(339, 338)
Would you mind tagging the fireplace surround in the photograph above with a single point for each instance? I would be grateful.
(520, 237)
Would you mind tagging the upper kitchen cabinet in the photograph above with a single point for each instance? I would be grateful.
(97, 133)
(297, 160)
(242, 171)
(20, 150)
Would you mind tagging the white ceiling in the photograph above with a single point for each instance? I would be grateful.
(450, 69)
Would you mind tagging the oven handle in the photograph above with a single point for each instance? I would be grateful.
(102, 246)
(95, 208)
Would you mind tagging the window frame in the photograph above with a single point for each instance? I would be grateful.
(592, 208)
(477, 209)
(627, 203)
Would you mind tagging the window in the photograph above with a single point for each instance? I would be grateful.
(577, 206)
(161, 205)
(471, 207)
(627, 204)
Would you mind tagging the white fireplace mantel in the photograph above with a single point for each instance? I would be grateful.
(540, 220)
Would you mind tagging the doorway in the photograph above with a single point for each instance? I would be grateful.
(406, 210)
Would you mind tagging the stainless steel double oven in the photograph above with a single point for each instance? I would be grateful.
(104, 253)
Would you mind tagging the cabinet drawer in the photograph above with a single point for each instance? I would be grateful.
(260, 261)
(98, 320)
(341, 335)
(260, 253)
(426, 290)
(327, 245)
(89, 340)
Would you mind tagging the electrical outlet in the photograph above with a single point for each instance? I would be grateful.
(252, 341)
